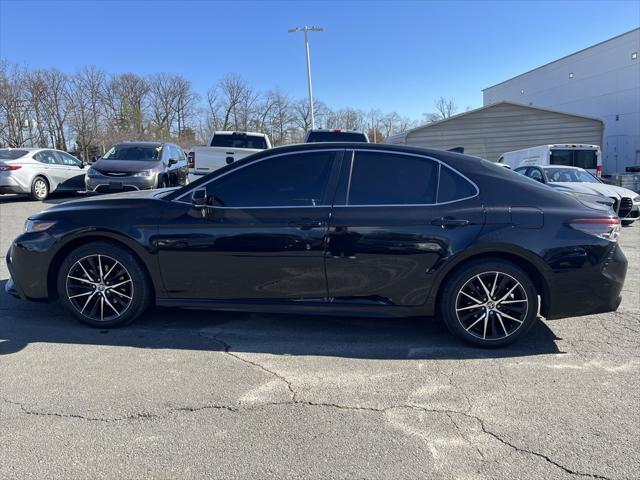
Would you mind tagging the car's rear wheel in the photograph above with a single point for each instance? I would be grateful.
(39, 189)
(103, 285)
(489, 303)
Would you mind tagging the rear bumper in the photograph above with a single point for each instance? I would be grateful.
(588, 291)
(11, 185)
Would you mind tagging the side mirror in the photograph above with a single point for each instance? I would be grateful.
(81, 165)
(172, 161)
(199, 198)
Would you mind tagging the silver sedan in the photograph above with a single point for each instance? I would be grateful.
(39, 171)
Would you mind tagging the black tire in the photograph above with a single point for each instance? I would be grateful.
(466, 320)
(39, 189)
(163, 183)
(120, 304)
(628, 223)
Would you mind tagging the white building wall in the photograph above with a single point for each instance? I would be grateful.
(605, 84)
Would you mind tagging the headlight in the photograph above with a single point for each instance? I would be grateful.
(92, 172)
(35, 226)
(143, 173)
(637, 199)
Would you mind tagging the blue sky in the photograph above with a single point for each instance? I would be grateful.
(389, 55)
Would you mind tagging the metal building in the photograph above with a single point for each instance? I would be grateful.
(490, 131)
(601, 81)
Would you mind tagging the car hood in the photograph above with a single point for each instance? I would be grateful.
(593, 189)
(125, 165)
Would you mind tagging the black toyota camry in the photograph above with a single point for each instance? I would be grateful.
(332, 228)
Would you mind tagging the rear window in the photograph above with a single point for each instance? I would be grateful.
(315, 137)
(587, 159)
(238, 140)
(392, 179)
(11, 154)
(133, 152)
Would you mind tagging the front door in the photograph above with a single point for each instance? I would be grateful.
(263, 237)
(396, 216)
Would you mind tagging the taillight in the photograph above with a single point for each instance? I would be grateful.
(191, 159)
(607, 228)
(5, 168)
(599, 171)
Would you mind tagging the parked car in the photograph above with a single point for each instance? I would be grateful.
(332, 228)
(625, 202)
(225, 148)
(138, 166)
(39, 172)
(584, 156)
(335, 135)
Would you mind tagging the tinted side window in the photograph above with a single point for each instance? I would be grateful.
(392, 179)
(535, 174)
(453, 187)
(290, 180)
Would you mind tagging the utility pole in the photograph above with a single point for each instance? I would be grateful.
(306, 29)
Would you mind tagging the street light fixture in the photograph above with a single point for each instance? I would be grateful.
(306, 29)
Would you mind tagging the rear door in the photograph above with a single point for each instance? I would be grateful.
(53, 168)
(73, 168)
(396, 216)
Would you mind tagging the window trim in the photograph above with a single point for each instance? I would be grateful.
(188, 193)
(440, 165)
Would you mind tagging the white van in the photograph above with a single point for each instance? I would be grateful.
(570, 155)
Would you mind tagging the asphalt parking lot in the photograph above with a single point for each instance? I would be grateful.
(186, 394)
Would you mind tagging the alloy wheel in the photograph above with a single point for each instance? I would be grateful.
(40, 188)
(492, 305)
(99, 287)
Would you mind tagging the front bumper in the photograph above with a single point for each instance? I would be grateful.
(104, 184)
(588, 291)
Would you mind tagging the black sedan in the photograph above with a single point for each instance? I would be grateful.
(348, 229)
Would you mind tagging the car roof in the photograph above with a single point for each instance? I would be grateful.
(554, 167)
(142, 143)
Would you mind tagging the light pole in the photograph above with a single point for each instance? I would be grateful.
(306, 29)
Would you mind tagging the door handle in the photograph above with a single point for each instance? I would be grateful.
(305, 224)
(449, 222)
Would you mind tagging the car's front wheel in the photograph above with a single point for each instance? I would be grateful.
(628, 223)
(489, 303)
(103, 285)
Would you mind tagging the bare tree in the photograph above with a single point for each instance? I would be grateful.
(86, 109)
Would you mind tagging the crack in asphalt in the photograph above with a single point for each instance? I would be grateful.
(296, 401)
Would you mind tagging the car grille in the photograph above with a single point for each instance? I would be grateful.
(626, 205)
(116, 174)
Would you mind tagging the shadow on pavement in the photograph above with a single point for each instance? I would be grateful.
(23, 323)
(54, 199)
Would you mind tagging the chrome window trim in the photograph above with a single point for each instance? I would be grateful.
(204, 185)
(352, 150)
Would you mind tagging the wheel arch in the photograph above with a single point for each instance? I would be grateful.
(79, 241)
(528, 265)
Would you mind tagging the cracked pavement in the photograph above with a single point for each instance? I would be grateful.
(192, 394)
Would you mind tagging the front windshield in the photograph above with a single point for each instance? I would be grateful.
(569, 175)
(133, 152)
